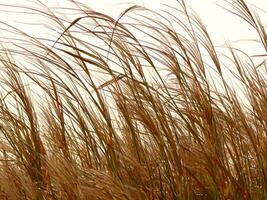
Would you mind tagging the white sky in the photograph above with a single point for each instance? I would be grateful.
(222, 25)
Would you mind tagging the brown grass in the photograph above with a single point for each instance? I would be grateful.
(139, 107)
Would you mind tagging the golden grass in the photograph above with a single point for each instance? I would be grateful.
(139, 107)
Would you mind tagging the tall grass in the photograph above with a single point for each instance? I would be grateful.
(139, 107)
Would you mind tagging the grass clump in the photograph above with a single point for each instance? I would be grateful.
(139, 107)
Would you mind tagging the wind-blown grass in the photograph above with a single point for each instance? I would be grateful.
(139, 107)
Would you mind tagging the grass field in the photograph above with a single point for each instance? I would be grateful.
(140, 107)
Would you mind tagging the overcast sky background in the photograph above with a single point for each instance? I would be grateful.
(218, 21)
(221, 25)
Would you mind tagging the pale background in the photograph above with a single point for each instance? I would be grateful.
(222, 25)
